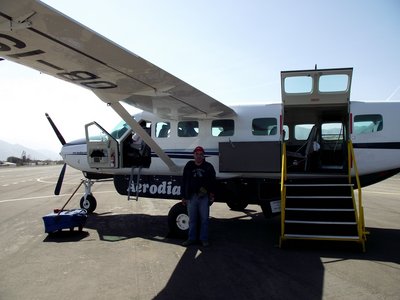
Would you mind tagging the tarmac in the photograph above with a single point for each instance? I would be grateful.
(124, 251)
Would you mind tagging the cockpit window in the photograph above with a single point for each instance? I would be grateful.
(96, 134)
(119, 130)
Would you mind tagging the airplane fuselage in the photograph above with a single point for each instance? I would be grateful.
(376, 150)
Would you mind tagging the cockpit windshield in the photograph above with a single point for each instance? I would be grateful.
(118, 131)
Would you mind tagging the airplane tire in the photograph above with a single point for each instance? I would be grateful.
(236, 203)
(178, 221)
(90, 204)
(233, 197)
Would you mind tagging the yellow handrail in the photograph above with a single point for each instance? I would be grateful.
(353, 164)
(283, 191)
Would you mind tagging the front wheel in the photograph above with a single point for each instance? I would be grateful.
(236, 203)
(178, 221)
(89, 203)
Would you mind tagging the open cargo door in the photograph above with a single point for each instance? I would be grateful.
(316, 87)
(316, 105)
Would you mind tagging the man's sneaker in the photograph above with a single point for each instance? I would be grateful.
(205, 243)
(188, 243)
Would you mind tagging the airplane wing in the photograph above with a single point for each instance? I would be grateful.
(35, 35)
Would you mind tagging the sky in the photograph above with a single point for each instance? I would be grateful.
(233, 51)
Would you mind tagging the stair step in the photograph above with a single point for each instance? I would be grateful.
(318, 197)
(327, 237)
(318, 209)
(347, 228)
(320, 222)
(319, 185)
(331, 167)
(319, 190)
(319, 203)
(341, 179)
(322, 215)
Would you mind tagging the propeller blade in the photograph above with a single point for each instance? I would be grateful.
(60, 137)
(60, 180)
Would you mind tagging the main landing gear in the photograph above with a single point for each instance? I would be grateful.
(178, 221)
(178, 217)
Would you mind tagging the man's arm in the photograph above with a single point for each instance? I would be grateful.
(184, 186)
(212, 181)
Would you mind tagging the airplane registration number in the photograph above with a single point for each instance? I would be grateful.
(9, 43)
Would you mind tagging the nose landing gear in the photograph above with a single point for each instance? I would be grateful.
(88, 202)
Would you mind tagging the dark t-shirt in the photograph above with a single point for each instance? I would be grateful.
(198, 179)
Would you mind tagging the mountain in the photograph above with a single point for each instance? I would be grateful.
(7, 150)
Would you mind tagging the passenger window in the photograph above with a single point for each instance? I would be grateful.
(367, 124)
(332, 131)
(163, 129)
(188, 128)
(222, 127)
(302, 131)
(264, 126)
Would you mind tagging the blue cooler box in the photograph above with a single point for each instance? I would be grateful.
(67, 219)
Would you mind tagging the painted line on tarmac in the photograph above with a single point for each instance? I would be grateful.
(16, 182)
(383, 193)
(44, 180)
(43, 197)
(23, 199)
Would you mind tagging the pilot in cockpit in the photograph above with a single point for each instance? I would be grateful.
(137, 142)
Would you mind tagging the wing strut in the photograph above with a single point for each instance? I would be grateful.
(123, 113)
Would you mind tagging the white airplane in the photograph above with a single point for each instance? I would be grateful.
(252, 147)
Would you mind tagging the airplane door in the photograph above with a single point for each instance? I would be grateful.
(316, 105)
(316, 87)
(102, 148)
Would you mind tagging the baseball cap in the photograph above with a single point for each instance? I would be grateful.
(198, 149)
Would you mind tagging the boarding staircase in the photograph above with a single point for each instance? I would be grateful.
(321, 207)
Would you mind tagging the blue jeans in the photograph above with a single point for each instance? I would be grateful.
(199, 212)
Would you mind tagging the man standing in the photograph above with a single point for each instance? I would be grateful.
(198, 186)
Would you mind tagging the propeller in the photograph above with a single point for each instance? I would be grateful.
(62, 141)
(60, 137)
(60, 180)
